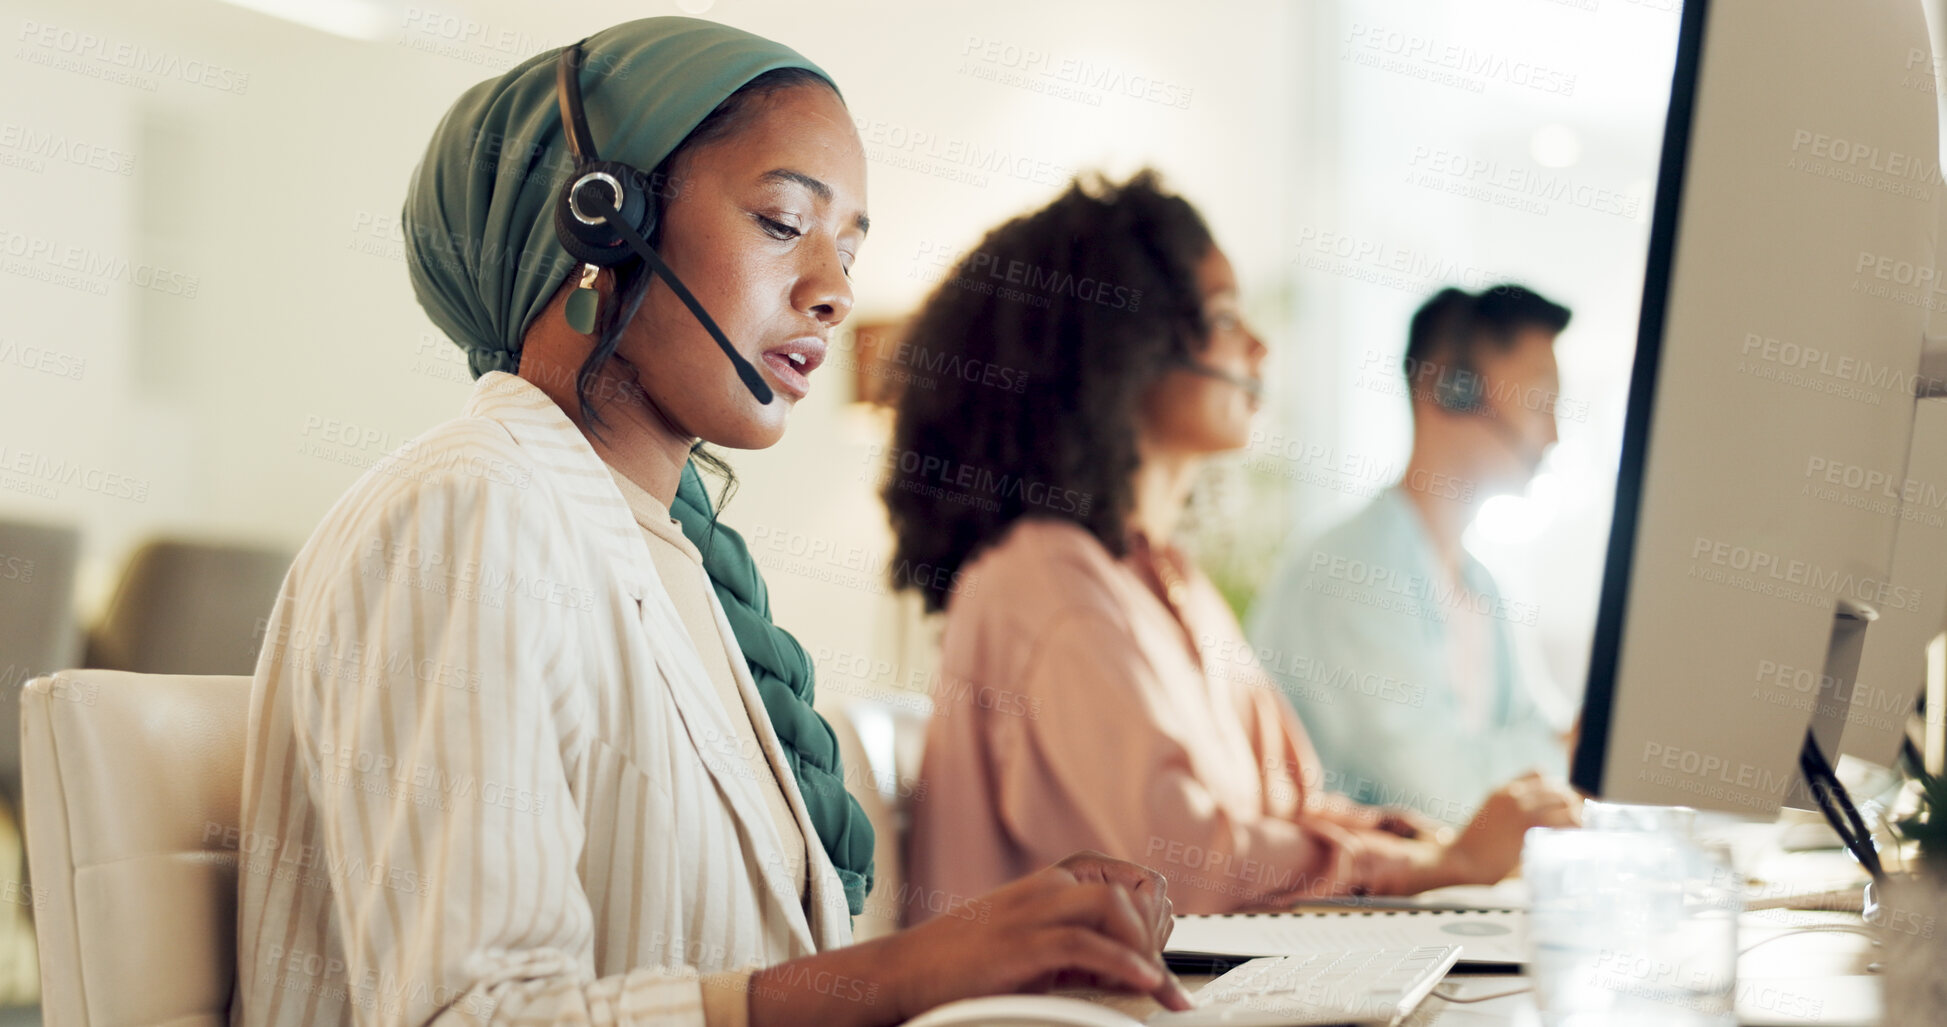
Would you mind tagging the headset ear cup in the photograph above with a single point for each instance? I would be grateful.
(598, 243)
(1459, 390)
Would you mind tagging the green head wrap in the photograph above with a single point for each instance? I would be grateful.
(479, 214)
(484, 259)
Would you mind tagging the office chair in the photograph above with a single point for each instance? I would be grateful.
(881, 743)
(186, 607)
(133, 787)
(38, 629)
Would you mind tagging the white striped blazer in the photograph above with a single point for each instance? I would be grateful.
(487, 778)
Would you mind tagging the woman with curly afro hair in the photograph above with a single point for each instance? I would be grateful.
(1095, 691)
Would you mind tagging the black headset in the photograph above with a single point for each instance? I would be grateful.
(1459, 389)
(604, 213)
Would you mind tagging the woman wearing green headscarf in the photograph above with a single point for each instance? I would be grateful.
(507, 761)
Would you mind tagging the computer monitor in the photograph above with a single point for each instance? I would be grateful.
(1893, 666)
(1789, 277)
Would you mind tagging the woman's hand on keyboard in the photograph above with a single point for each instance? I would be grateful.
(1078, 923)
(1147, 889)
(1088, 921)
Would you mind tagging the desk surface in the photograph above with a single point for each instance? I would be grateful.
(1801, 979)
(1793, 980)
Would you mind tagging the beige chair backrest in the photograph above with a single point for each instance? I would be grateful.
(132, 784)
(881, 742)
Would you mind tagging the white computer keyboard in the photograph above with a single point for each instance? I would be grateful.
(1372, 986)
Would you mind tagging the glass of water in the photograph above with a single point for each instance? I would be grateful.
(1622, 816)
(1630, 927)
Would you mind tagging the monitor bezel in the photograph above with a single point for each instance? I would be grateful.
(1592, 746)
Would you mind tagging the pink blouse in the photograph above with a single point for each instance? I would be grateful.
(1074, 711)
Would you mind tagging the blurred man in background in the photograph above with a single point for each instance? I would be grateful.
(1392, 641)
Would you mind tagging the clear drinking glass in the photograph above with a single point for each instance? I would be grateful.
(1622, 816)
(1630, 928)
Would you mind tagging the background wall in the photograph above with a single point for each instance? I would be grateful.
(1473, 144)
(209, 328)
(224, 286)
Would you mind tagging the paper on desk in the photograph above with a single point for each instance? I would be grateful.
(1466, 898)
(1490, 937)
(1509, 894)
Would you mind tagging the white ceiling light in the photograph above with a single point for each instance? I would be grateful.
(352, 19)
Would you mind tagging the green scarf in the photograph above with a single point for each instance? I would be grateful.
(484, 262)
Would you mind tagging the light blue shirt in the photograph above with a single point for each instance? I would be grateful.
(1356, 628)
